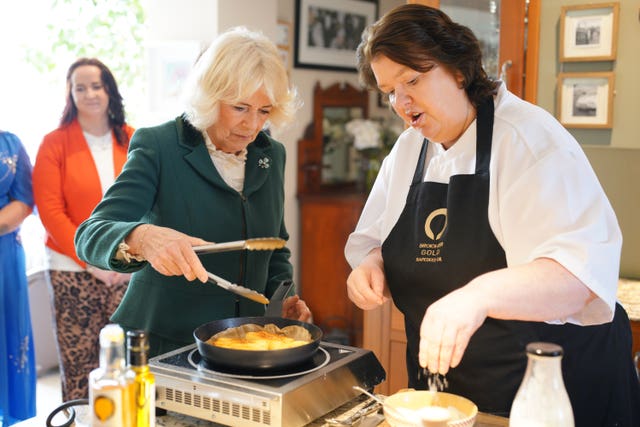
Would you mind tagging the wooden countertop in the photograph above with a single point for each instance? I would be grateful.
(629, 297)
(487, 420)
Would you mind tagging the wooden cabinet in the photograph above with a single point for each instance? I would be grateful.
(329, 212)
(384, 334)
(326, 220)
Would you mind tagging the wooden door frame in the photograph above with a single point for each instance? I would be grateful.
(523, 63)
(533, 52)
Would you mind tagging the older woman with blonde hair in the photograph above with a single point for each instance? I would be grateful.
(211, 175)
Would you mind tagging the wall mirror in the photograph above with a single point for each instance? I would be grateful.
(327, 159)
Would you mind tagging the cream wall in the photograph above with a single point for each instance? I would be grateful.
(170, 20)
(614, 153)
(626, 102)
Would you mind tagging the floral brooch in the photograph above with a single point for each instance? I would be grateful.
(264, 163)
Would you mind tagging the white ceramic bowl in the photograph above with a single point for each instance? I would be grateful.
(403, 408)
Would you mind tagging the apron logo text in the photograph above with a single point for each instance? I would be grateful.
(429, 252)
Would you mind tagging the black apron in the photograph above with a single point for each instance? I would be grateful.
(441, 241)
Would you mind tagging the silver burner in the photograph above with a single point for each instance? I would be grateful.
(285, 399)
(197, 362)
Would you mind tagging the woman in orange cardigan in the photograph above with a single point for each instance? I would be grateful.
(75, 165)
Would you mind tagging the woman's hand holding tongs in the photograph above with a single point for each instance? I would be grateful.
(169, 252)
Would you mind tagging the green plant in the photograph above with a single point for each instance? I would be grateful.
(113, 31)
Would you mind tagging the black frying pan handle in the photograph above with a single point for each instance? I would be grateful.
(274, 309)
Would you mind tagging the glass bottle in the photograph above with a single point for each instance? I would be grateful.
(144, 381)
(542, 399)
(110, 388)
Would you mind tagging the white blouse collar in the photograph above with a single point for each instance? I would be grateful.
(230, 166)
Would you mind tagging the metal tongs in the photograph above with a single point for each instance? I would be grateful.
(274, 307)
(258, 244)
(237, 289)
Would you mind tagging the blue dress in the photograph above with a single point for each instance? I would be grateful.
(17, 358)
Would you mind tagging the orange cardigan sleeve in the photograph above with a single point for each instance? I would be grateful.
(66, 185)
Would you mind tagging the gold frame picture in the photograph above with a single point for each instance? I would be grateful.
(589, 32)
(283, 37)
(283, 42)
(585, 100)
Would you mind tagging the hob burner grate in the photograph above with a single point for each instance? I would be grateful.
(320, 359)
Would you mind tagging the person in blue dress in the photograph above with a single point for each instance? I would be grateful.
(17, 357)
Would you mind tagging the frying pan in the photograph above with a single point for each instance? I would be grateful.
(253, 360)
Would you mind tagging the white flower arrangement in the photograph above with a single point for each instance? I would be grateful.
(366, 133)
(373, 138)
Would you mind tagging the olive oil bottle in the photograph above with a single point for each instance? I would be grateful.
(110, 388)
(144, 383)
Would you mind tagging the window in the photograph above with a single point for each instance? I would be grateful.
(40, 40)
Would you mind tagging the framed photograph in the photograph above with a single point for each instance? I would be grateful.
(589, 32)
(585, 100)
(283, 37)
(327, 32)
(283, 42)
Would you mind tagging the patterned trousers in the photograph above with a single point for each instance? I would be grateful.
(81, 306)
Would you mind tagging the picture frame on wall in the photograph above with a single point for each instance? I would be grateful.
(283, 37)
(327, 32)
(589, 32)
(585, 100)
(283, 43)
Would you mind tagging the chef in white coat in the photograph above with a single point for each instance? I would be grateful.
(488, 228)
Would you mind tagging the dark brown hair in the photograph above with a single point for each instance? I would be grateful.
(116, 107)
(415, 36)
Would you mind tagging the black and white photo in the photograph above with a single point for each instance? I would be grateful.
(589, 32)
(585, 100)
(329, 31)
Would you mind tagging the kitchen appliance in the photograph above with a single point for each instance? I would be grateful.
(255, 359)
(188, 384)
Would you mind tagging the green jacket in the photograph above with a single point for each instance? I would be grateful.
(169, 180)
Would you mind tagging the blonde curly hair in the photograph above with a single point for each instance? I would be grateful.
(235, 65)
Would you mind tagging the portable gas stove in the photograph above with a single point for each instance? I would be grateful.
(188, 384)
